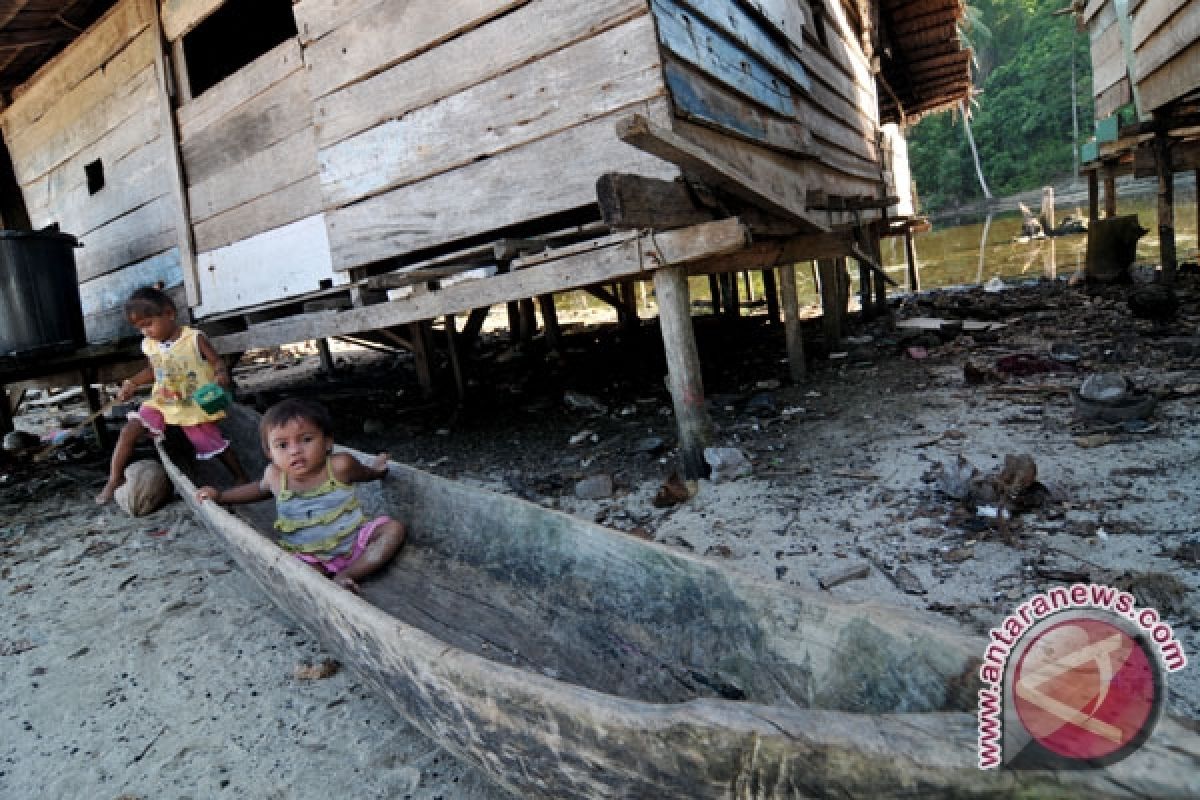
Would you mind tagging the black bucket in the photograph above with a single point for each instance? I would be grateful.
(40, 312)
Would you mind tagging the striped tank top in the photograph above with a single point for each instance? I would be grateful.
(321, 521)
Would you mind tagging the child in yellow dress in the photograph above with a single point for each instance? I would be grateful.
(319, 517)
(181, 361)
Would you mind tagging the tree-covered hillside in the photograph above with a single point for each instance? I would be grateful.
(1021, 121)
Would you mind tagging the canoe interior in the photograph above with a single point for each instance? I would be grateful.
(523, 586)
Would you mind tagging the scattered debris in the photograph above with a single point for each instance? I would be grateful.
(316, 672)
(673, 492)
(845, 575)
(726, 463)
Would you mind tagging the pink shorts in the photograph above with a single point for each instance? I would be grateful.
(338, 563)
(205, 437)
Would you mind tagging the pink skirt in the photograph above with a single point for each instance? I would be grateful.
(338, 563)
(205, 437)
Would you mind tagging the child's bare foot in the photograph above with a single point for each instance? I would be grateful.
(346, 582)
(106, 494)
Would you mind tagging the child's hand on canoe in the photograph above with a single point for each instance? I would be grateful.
(207, 493)
(379, 465)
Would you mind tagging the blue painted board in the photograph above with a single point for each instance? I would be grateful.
(732, 18)
(694, 40)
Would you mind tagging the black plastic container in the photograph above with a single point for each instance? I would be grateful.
(40, 310)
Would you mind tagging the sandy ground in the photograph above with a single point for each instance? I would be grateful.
(136, 661)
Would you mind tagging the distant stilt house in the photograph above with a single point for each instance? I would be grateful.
(1146, 83)
(319, 168)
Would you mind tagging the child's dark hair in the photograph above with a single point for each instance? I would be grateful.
(148, 301)
(294, 408)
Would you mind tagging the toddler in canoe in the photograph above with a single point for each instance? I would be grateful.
(318, 513)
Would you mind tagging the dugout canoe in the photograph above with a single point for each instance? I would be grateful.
(566, 660)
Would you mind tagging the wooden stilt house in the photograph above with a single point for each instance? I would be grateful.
(316, 168)
(1146, 83)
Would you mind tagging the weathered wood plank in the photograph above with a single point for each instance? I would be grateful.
(63, 190)
(180, 16)
(594, 77)
(107, 37)
(271, 169)
(754, 36)
(700, 100)
(130, 182)
(1165, 48)
(757, 176)
(239, 88)
(1151, 18)
(511, 41)
(143, 232)
(698, 43)
(94, 107)
(296, 257)
(388, 33)
(1108, 59)
(288, 204)
(103, 298)
(816, 175)
(1172, 81)
(785, 16)
(315, 18)
(544, 177)
(629, 256)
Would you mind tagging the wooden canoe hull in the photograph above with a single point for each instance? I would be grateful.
(541, 736)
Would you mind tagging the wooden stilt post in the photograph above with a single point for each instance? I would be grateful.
(730, 303)
(1110, 191)
(94, 403)
(1166, 205)
(474, 325)
(550, 321)
(832, 303)
(460, 386)
(1093, 196)
(6, 411)
(772, 293)
(843, 276)
(864, 291)
(748, 285)
(420, 344)
(528, 322)
(714, 293)
(514, 322)
(881, 306)
(683, 369)
(793, 335)
(910, 258)
(327, 365)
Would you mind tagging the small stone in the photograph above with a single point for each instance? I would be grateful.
(597, 487)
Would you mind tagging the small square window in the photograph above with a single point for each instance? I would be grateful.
(95, 176)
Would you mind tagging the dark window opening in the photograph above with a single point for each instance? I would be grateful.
(236, 34)
(95, 176)
(819, 22)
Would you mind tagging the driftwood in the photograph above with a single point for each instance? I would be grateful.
(566, 660)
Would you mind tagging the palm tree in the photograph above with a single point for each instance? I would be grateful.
(973, 20)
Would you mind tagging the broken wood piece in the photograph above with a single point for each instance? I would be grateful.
(852, 573)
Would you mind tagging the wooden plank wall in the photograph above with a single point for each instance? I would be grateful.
(441, 121)
(755, 71)
(249, 155)
(1166, 51)
(99, 101)
(1111, 88)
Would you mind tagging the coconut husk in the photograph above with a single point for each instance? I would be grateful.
(146, 489)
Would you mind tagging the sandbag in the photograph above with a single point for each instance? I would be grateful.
(146, 489)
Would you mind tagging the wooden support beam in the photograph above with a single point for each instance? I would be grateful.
(634, 202)
(769, 253)
(769, 192)
(730, 301)
(1166, 206)
(793, 334)
(832, 302)
(683, 369)
(879, 278)
(772, 293)
(866, 301)
(550, 321)
(460, 386)
(327, 364)
(1093, 196)
(419, 334)
(528, 319)
(910, 258)
(1110, 191)
(572, 267)
(714, 293)
(7, 407)
(475, 320)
